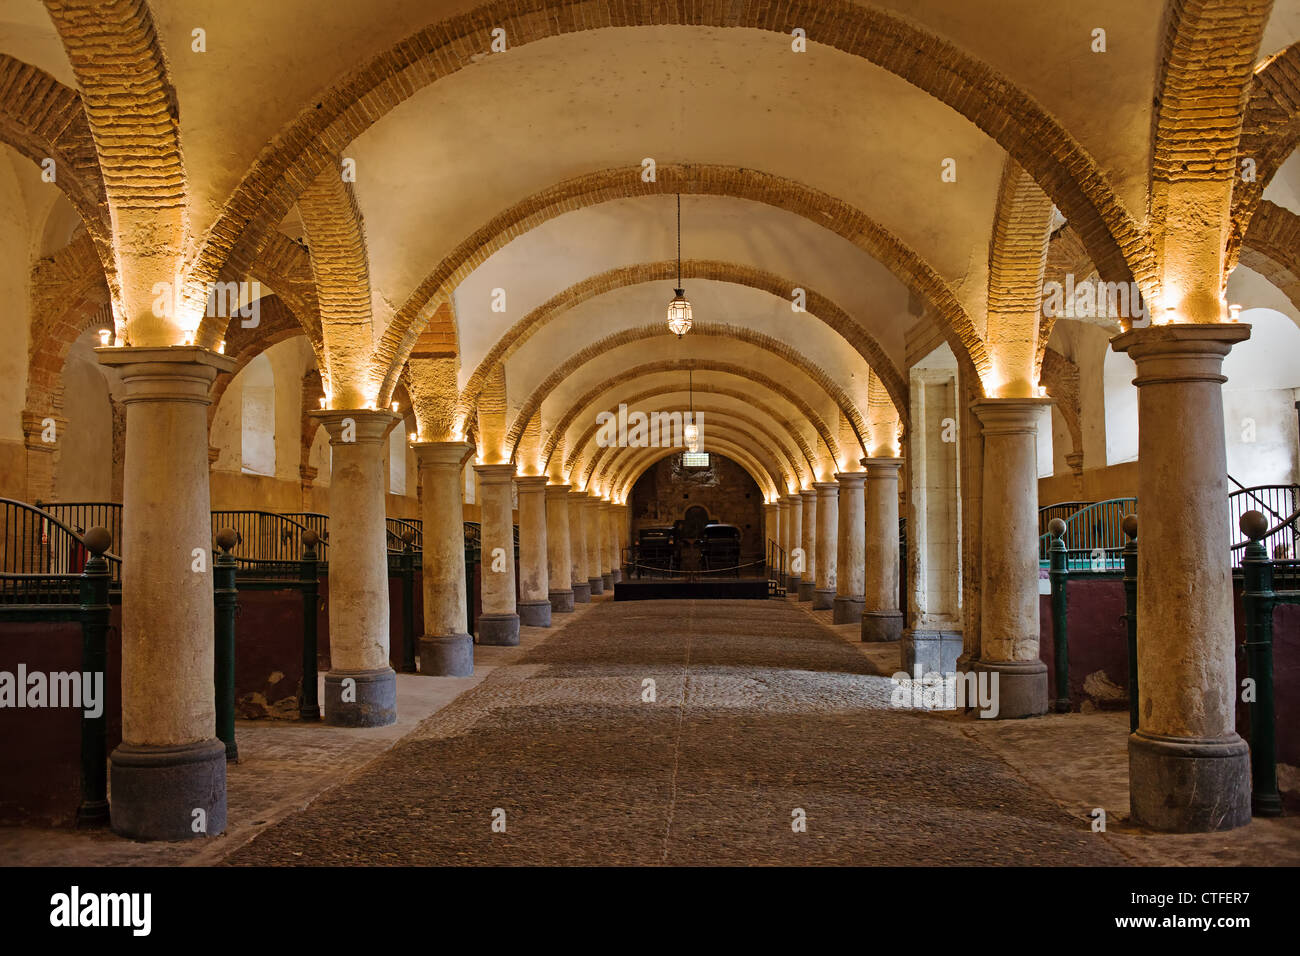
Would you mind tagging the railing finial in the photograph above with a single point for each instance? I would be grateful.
(227, 539)
(97, 540)
(1253, 525)
(1056, 528)
(1130, 527)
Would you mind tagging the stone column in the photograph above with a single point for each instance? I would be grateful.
(559, 562)
(882, 619)
(604, 528)
(808, 579)
(850, 549)
(615, 545)
(828, 531)
(795, 502)
(1188, 769)
(783, 523)
(534, 580)
(591, 531)
(1009, 570)
(578, 546)
(360, 688)
(446, 647)
(499, 622)
(169, 762)
(771, 526)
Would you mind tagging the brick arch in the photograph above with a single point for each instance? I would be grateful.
(841, 218)
(786, 466)
(41, 118)
(276, 323)
(1270, 133)
(973, 89)
(286, 267)
(712, 329)
(68, 296)
(699, 365)
(130, 106)
(739, 437)
(1022, 228)
(800, 444)
(1272, 248)
(1202, 90)
(1065, 254)
(633, 467)
(818, 306)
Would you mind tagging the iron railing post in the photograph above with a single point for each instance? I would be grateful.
(1258, 601)
(226, 598)
(1131, 615)
(94, 811)
(309, 576)
(1058, 573)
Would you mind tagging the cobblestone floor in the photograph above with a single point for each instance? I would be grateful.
(760, 716)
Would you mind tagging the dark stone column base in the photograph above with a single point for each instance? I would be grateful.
(449, 655)
(534, 613)
(792, 583)
(607, 580)
(1021, 688)
(157, 789)
(561, 601)
(846, 610)
(597, 586)
(1189, 784)
(882, 625)
(805, 591)
(823, 599)
(372, 698)
(616, 575)
(498, 629)
(582, 593)
(929, 651)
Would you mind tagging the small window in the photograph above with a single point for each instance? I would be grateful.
(695, 459)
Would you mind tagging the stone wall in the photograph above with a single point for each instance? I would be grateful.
(666, 490)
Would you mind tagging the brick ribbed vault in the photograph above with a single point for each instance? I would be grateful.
(747, 378)
(1207, 63)
(276, 323)
(818, 306)
(728, 429)
(43, 119)
(767, 432)
(1272, 248)
(134, 120)
(324, 127)
(632, 467)
(771, 425)
(712, 329)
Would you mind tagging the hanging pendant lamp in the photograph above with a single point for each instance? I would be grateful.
(679, 309)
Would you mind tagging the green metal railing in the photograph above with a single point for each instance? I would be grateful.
(1093, 536)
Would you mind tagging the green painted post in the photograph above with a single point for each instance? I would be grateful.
(309, 578)
(1058, 573)
(1130, 527)
(1259, 600)
(93, 811)
(407, 564)
(226, 599)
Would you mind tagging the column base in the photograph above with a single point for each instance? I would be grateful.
(882, 625)
(447, 655)
(1021, 687)
(157, 789)
(846, 610)
(582, 593)
(616, 575)
(561, 601)
(501, 630)
(929, 651)
(371, 698)
(792, 584)
(607, 580)
(806, 589)
(534, 613)
(1188, 784)
(597, 586)
(823, 599)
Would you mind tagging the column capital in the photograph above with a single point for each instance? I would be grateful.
(369, 426)
(557, 491)
(577, 494)
(1006, 416)
(793, 496)
(176, 374)
(442, 452)
(495, 474)
(808, 493)
(531, 483)
(882, 467)
(826, 488)
(1180, 353)
(850, 477)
